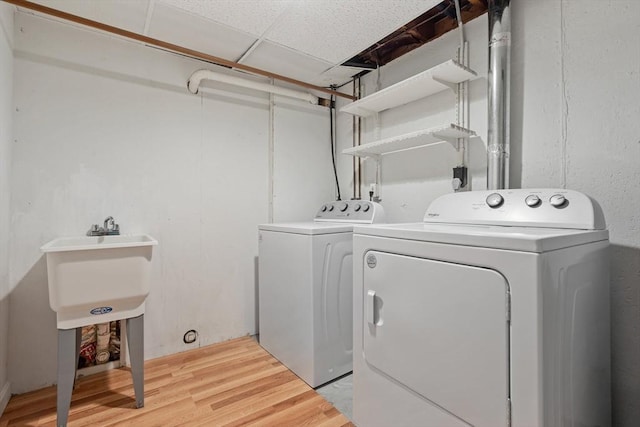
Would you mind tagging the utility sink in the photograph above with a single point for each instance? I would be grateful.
(97, 279)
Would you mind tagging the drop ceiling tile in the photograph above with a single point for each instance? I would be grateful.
(198, 33)
(287, 62)
(126, 14)
(340, 74)
(303, 39)
(335, 30)
(251, 16)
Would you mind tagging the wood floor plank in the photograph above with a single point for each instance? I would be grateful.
(157, 416)
(307, 404)
(272, 376)
(338, 421)
(221, 375)
(235, 383)
(255, 402)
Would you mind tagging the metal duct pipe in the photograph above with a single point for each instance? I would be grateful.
(499, 94)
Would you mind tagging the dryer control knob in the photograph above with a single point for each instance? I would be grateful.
(324, 208)
(365, 208)
(532, 201)
(495, 200)
(558, 201)
(330, 207)
(357, 207)
(342, 206)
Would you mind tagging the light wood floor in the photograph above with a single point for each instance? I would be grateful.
(235, 383)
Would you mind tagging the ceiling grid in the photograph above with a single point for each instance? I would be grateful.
(308, 40)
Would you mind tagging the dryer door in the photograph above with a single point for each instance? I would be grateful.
(441, 330)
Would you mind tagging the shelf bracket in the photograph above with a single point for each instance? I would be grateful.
(452, 86)
(450, 140)
(367, 156)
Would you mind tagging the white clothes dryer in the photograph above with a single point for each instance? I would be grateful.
(492, 312)
(305, 291)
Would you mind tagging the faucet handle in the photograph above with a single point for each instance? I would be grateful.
(94, 230)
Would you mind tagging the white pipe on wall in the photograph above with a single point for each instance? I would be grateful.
(196, 78)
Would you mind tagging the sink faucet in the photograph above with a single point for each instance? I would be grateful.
(108, 224)
(108, 229)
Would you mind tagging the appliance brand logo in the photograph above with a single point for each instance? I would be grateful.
(431, 214)
(372, 261)
(101, 310)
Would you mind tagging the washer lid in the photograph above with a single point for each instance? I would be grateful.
(523, 239)
(309, 228)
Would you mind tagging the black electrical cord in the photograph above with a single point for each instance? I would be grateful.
(334, 87)
(333, 148)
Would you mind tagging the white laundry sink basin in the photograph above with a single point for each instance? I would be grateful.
(97, 279)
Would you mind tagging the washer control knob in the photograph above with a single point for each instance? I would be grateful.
(495, 200)
(365, 207)
(558, 201)
(357, 207)
(342, 206)
(330, 207)
(324, 208)
(532, 201)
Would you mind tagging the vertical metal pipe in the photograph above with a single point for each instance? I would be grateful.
(357, 174)
(271, 158)
(499, 94)
(460, 23)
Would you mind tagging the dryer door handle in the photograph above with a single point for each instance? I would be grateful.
(370, 305)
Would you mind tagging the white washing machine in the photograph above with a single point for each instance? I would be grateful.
(492, 312)
(306, 290)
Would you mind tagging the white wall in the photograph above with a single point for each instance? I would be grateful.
(579, 92)
(6, 124)
(575, 90)
(106, 127)
(302, 161)
(411, 179)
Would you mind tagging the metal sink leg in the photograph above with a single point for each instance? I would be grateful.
(135, 339)
(68, 352)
